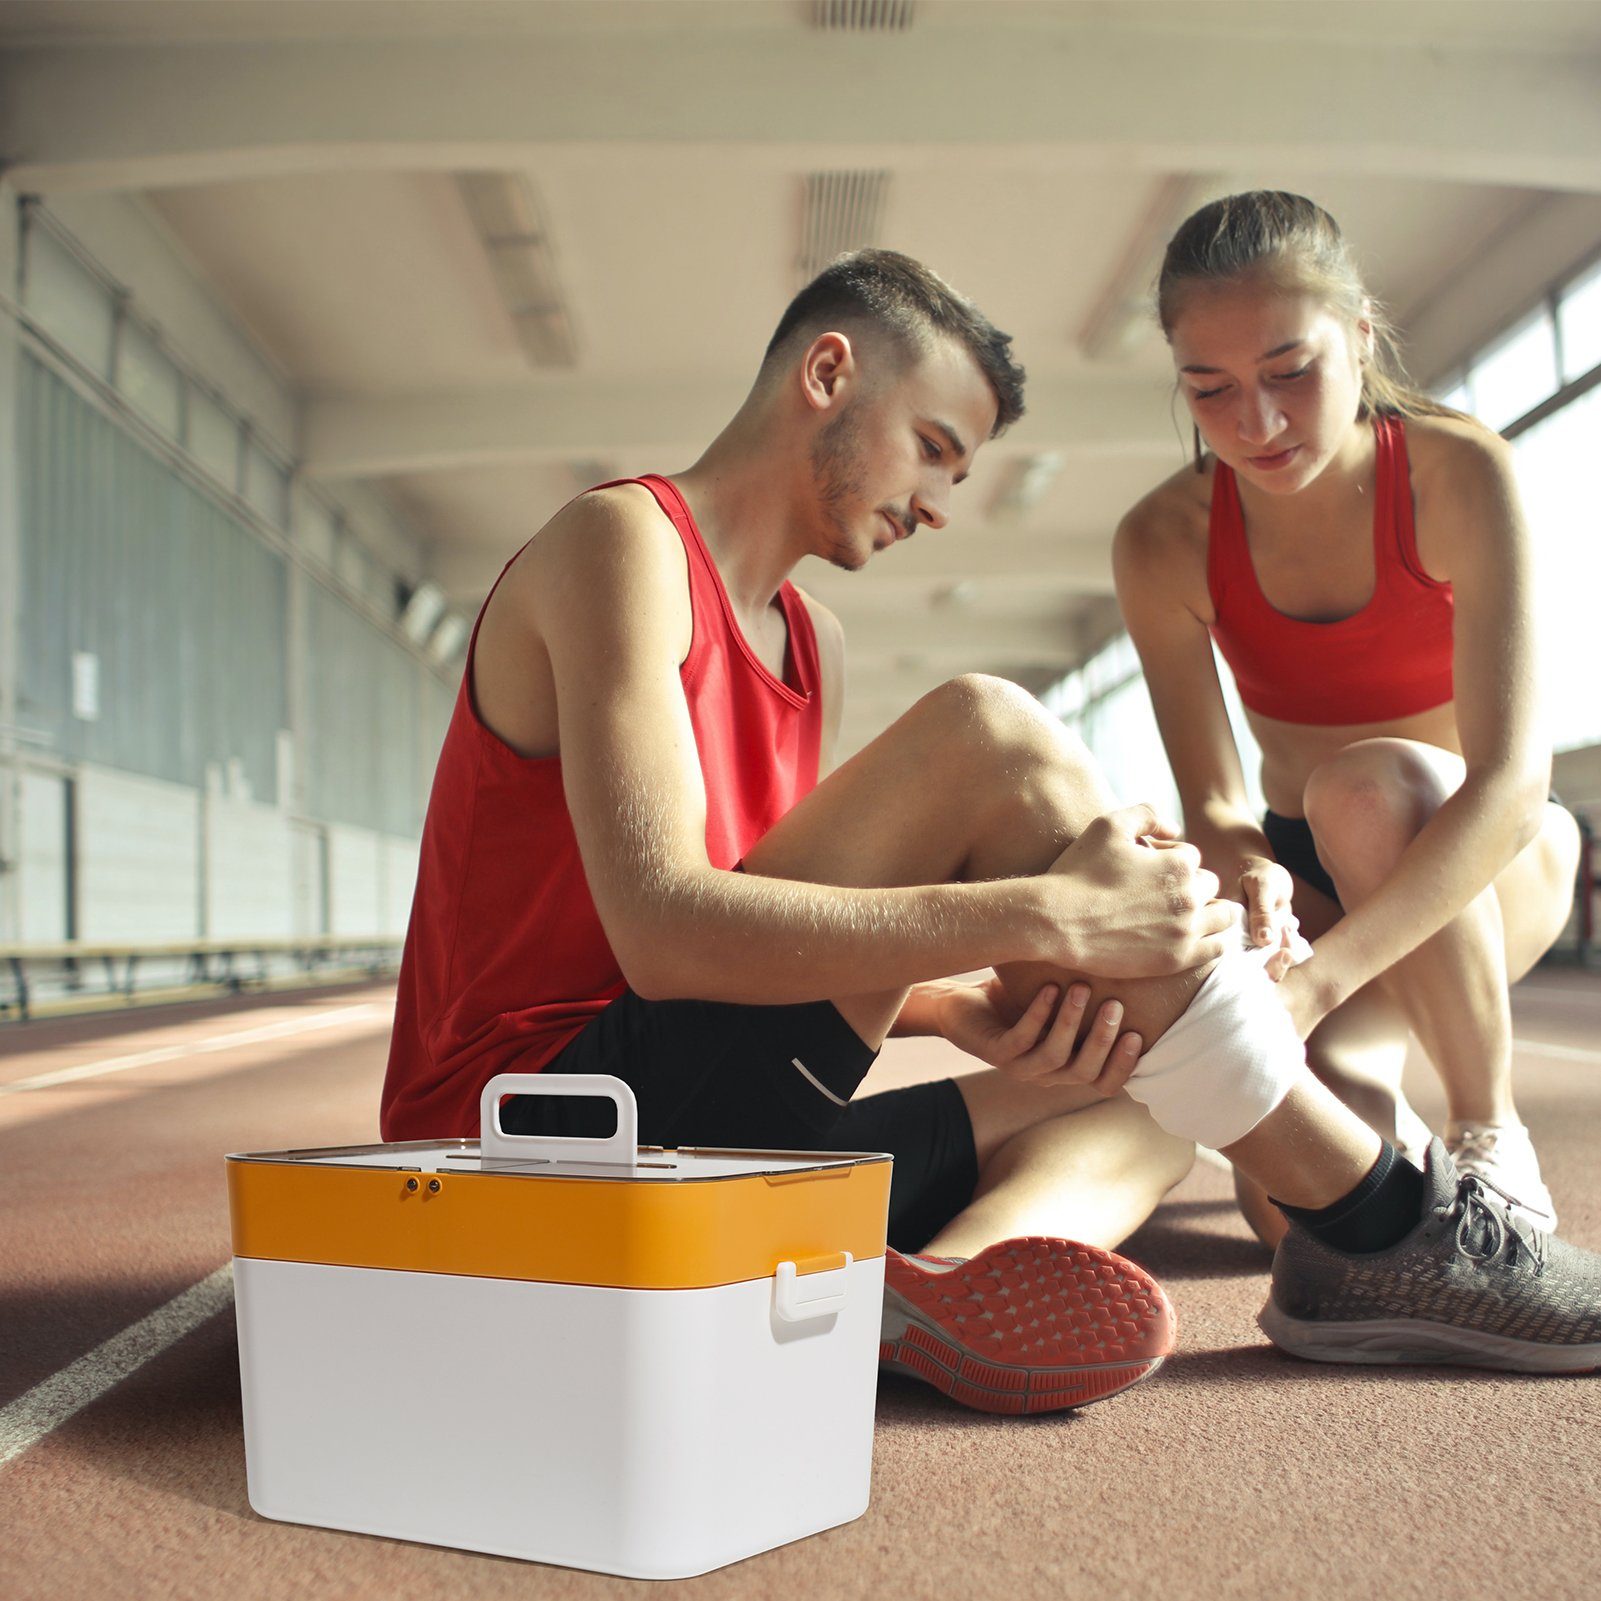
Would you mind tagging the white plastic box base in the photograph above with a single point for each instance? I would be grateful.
(653, 1434)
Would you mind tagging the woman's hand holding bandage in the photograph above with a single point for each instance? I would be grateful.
(1268, 893)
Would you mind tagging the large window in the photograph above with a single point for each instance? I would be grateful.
(1556, 474)
(1105, 703)
(1540, 384)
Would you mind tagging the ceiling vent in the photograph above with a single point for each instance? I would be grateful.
(512, 229)
(863, 16)
(841, 211)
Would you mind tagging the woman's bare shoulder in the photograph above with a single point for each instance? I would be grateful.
(1168, 525)
(1464, 489)
(1449, 449)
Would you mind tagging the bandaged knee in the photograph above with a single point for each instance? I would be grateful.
(1229, 1060)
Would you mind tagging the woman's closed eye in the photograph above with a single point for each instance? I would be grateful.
(1275, 378)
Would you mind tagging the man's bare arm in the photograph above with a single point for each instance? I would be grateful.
(605, 592)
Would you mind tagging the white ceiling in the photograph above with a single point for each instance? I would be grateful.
(303, 156)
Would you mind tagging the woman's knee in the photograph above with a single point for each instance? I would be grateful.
(1366, 805)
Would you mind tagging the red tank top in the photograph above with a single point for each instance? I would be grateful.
(505, 958)
(1391, 659)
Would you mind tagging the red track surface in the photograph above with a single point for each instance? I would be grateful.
(1233, 1472)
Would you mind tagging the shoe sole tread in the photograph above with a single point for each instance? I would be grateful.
(1028, 1325)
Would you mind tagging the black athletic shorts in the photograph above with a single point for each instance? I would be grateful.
(765, 1078)
(1294, 848)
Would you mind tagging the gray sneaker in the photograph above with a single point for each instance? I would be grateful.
(1472, 1284)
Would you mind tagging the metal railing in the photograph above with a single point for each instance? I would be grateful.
(218, 964)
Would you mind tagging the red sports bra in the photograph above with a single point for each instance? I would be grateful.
(1391, 659)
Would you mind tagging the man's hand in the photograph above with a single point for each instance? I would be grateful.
(1133, 901)
(1038, 1048)
(1267, 890)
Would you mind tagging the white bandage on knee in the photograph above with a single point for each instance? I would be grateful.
(1229, 1060)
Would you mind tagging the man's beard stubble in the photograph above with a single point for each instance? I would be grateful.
(840, 485)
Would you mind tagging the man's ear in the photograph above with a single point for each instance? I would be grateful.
(828, 370)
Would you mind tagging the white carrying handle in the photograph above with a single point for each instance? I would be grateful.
(827, 1289)
(496, 1145)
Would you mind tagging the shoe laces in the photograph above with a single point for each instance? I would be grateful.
(1486, 1227)
(1478, 1145)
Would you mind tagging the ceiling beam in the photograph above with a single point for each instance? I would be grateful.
(993, 577)
(143, 116)
(993, 572)
(637, 425)
(916, 641)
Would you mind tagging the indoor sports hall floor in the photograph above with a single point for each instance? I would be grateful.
(1234, 1472)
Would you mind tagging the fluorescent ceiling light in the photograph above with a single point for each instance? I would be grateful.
(516, 239)
(423, 609)
(448, 638)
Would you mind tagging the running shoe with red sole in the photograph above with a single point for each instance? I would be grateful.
(1027, 1325)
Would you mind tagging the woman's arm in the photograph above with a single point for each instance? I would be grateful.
(1155, 569)
(1469, 497)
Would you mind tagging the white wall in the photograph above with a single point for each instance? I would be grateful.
(42, 858)
(162, 862)
(355, 881)
(249, 870)
(400, 859)
(308, 845)
(138, 858)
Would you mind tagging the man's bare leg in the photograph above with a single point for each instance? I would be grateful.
(1093, 1173)
(978, 782)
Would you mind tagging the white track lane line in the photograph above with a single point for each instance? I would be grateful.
(1562, 1053)
(217, 1042)
(52, 1401)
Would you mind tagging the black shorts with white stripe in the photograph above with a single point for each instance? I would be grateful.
(707, 1073)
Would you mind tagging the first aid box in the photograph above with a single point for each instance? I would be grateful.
(648, 1362)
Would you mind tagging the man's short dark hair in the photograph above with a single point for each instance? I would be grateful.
(893, 292)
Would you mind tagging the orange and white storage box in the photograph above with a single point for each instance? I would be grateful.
(646, 1362)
